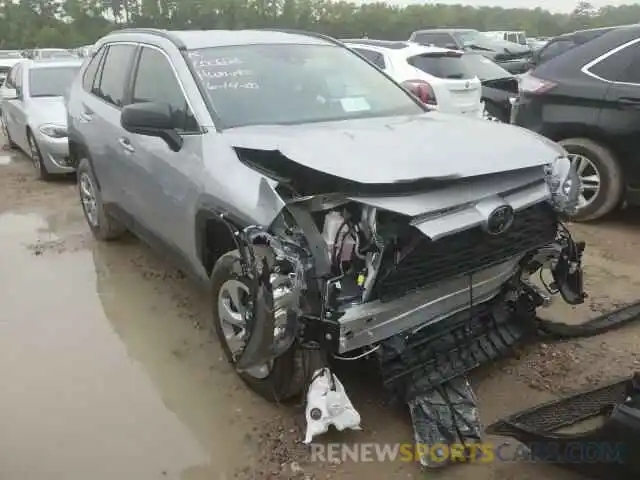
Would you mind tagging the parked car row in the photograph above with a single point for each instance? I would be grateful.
(588, 100)
(591, 114)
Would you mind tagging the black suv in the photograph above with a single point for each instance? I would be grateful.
(588, 100)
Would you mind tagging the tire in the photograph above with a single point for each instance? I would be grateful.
(36, 158)
(6, 133)
(103, 226)
(283, 379)
(611, 189)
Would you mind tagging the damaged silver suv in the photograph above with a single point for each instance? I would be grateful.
(333, 215)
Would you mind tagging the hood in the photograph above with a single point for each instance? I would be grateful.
(378, 151)
(48, 110)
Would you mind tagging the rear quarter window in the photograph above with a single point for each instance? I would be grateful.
(442, 65)
(614, 66)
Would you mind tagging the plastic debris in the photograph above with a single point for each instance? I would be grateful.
(328, 404)
(446, 416)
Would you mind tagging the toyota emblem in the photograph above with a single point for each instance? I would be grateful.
(499, 220)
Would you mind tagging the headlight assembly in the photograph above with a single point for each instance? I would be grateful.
(54, 131)
(564, 184)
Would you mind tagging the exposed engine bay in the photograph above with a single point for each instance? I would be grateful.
(431, 294)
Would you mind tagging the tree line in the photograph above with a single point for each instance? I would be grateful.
(72, 23)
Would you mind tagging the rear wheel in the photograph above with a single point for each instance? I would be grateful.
(276, 381)
(601, 177)
(102, 225)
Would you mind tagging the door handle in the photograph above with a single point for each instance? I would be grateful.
(630, 102)
(86, 114)
(124, 142)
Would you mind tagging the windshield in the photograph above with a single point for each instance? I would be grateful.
(10, 54)
(51, 81)
(294, 84)
(471, 37)
(484, 68)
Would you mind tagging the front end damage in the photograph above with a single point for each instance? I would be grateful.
(433, 284)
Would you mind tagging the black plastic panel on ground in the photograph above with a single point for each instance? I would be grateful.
(466, 252)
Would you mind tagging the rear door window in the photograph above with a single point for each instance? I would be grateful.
(115, 73)
(442, 65)
(374, 57)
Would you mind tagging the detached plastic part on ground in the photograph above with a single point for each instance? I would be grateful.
(328, 404)
(609, 450)
(427, 371)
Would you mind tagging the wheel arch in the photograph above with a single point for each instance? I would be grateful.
(215, 235)
(577, 130)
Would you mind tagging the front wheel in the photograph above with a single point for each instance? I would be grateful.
(276, 381)
(103, 226)
(36, 158)
(600, 175)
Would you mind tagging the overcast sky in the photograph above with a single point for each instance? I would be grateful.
(552, 5)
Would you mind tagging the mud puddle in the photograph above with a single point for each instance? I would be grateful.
(105, 375)
(110, 372)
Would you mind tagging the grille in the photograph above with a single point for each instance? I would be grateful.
(463, 253)
(5, 70)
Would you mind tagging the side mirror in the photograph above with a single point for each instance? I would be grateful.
(452, 46)
(151, 119)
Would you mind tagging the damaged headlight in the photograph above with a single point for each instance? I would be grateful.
(564, 184)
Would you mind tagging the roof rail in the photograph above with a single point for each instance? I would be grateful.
(303, 32)
(153, 31)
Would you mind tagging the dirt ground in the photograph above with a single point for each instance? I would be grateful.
(109, 370)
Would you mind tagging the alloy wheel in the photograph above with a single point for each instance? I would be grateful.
(233, 301)
(589, 179)
(88, 198)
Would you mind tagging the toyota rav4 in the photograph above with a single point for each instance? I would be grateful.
(331, 213)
